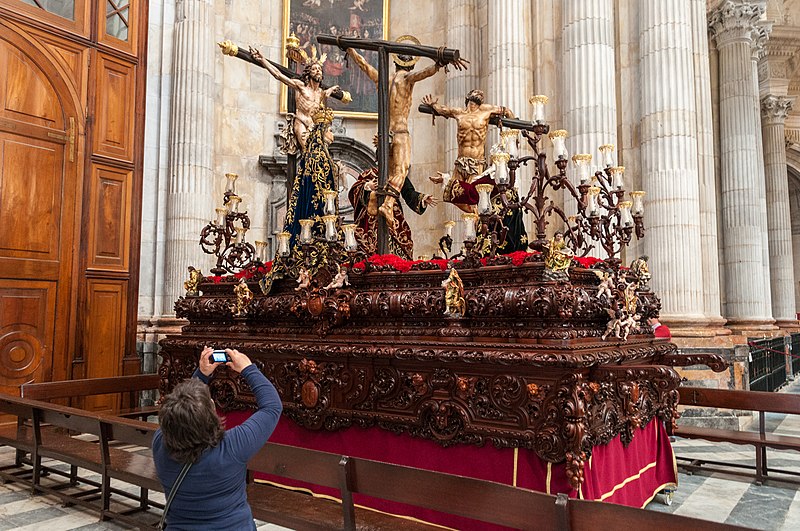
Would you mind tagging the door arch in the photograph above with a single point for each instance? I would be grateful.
(40, 196)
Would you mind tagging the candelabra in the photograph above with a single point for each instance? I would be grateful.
(603, 216)
(224, 238)
(332, 245)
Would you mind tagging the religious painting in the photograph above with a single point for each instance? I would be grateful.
(366, 19)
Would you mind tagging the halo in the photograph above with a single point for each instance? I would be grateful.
(402, 62)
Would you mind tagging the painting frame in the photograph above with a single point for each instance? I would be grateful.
(350, 17)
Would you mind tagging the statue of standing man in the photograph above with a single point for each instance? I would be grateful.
(401, 87)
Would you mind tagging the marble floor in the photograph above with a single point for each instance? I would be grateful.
(710, 496)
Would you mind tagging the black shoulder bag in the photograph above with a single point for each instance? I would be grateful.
(163, 523)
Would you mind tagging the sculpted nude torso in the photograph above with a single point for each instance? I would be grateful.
(401, 87)
(308, 96)
(473, 125)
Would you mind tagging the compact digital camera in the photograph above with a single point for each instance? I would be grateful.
(219, 356)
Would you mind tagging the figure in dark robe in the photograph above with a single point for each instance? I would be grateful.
(365, 204)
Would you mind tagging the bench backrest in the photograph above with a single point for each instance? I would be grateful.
(586, 514)
(300, 464)
(129, 431)
(482, 500)
(745, 400)
(69, 418)
(90, 386)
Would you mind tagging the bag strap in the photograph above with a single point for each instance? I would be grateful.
(172, 493)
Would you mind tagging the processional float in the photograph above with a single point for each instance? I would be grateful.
(544, 351)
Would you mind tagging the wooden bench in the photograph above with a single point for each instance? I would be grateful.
(759, 401)
(85, 441)
(18, 435)
(481, 500)
(128, 386)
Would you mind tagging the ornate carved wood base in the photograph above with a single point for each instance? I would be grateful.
(526, 369)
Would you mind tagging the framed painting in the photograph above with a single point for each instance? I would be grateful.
(366, 19)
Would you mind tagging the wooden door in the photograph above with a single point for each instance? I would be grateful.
(38, 197)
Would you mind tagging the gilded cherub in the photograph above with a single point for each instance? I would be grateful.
(193, 284)
(557, 259)
(243, 297)
(641, 271)
(454, 302)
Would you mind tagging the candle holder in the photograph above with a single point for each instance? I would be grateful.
(446, 241)
(225, 236)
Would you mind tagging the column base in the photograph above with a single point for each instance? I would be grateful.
(790, 326)
(754, 327)
(683, 326)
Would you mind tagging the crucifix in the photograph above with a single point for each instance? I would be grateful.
(393, 165)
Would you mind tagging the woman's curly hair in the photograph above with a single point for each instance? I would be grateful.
(189, 421)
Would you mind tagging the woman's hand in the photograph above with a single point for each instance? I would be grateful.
(207, 367)
(239, 361)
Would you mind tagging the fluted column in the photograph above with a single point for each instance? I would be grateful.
(743, 211)
(774, 110)
(510, 63)
(669, 158)
(189, 203)
(463, 35)
(589, 76)
(760, 36)
(709, 252)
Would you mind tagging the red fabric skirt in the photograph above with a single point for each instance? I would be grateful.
(629, 476)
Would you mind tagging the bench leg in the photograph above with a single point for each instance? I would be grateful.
(144, 498)
(759, 464)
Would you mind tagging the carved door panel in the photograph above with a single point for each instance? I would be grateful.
(38, 194)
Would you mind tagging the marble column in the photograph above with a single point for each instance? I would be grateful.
(709, 252)
(669, 159)
(588, 84)
(189, 202)
(510, 70)
(774, 110)
(589, 76)
(760, 34)
(743, 210)
(462, 34)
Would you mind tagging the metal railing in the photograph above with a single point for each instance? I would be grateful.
(767, 364)
(794, 352)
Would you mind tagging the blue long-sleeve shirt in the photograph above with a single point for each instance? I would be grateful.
(213, 494)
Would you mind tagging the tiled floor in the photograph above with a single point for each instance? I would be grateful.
(717, 497)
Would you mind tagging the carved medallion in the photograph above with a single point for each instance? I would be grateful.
(309, 394)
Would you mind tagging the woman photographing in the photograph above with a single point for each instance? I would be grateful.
(213, 493)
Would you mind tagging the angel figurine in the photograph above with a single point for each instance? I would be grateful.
(340, 280)
(605, 285)
(192, 285)
(243, 297)
(454, 302)
(303, 279)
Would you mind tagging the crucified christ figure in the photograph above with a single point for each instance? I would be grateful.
(401, 87)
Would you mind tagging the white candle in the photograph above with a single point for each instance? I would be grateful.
(500, 161)
(617, 182)
(261, 250)
(484, 202)
(221, 213)
(638, 202)
(591, 206)
(510, 138)
(558, 138)
(230, 185)
(305, 230)
(448, 227)
(350, 242)
(283, 243)
(582, 161)
(607, 155)
(330, 228)
(625, 213)
(538, 102)
(469, 226)
(330, 201)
